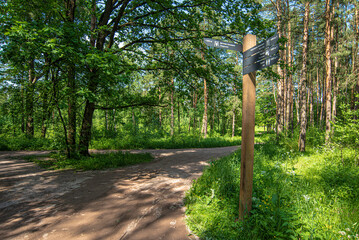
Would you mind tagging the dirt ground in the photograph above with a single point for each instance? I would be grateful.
(138, 202)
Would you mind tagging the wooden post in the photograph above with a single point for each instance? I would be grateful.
(247, 148)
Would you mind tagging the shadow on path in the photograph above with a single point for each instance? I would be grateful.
(137, 202)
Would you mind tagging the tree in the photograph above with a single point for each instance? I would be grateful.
(68, 58)
(302, 84)
(71, 40)
(140, 18)
(328, 70)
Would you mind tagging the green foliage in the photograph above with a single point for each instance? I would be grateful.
(4, 145)
(314, 137)
(23, 143)
(91, 58)
(212, 204)
(295, 195)
(265, 104)
(347, 127)
(95, 162)
(145, 142)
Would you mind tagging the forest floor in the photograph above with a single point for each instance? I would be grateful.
(143, 201)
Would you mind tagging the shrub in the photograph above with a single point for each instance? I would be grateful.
(23, 143)
(4, 145)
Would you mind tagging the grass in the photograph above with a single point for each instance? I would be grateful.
(312, 195)
(95, 162)
(21, 142)
(111, 160)
(143, 142)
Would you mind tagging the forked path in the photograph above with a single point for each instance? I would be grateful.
(138, 202)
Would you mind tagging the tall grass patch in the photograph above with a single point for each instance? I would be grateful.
(313, 195)
(212, 202)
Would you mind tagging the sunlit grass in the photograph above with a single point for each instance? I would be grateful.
(143, 142)
(312, 195)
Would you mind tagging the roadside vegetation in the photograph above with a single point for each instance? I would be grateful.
(100, 161)
(60, 160)
(296, 195)
(128, 141)
(145, 142)
(21, 142)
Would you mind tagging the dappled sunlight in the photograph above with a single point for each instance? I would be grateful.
(126, 203)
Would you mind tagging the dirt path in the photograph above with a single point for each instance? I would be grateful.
(138, 202)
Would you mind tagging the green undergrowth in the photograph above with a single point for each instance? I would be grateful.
(143, 142)
(312, 195)
(95, 162)
(23, 143)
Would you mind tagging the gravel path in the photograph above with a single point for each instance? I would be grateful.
(138, 202)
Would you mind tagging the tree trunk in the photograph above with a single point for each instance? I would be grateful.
(322, 108)
(160, 110)
(311, 112)
(72, 109)
(289, 85)
(194, 111)
(70, 6)
(356, 62)
(86, 127)
(205, 114)
(213, 114)
(297, 105)
(23, 103)
(218, 121)
(114, 120)
(318, 97)
(134, 127)
(97, 40)
(172, 107)
(223, 125)
(233, 121)
(106, 121)
(189, 124)
(335, 90)
(302, 84)
(85, 135)
(179, 116)
(291, 92)
(43, 128)
(335, 76)
(328, 71)
(30, 111)
(29, 101)
(234, 109)
(280, 96)
(46, 113)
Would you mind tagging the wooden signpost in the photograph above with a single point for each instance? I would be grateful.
(248, 122)
(224, 45)
(261, 56)
(255, 57)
